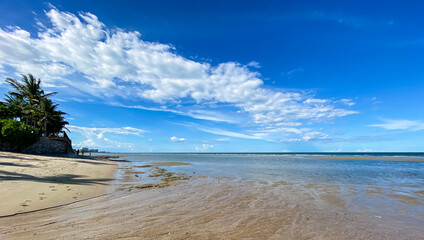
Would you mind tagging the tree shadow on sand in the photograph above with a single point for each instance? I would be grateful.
(22, 158)
(15, 164)
(62, 178)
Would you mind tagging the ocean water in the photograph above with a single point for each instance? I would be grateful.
(382, 189)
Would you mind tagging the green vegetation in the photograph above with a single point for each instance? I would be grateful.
(18, 134)
(28, 112)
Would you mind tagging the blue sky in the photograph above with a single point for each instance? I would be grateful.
(225, 76)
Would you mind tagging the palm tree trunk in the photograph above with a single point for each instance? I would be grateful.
(45, 125)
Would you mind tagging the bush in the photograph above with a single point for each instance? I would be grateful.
(5, 111)
(18, 135)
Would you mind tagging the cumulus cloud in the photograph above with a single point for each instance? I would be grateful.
(112, 62)
(401, 125)
(104, 137)
(176, 139)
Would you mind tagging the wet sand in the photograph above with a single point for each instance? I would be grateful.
(367, 158)
(204, 208)
(31, 182)
(179, 206)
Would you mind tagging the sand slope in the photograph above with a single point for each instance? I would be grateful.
(31, 182)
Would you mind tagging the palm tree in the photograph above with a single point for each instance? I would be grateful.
(15, 107)
(33, 106)
(30, 89)
(50, 120)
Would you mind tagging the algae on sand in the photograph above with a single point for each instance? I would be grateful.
(167, 179)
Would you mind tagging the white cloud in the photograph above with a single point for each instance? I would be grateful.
(176, 139)
(364, 149)
(254, 64)
(348, 102)
(96, 137)
(290, 74)
(101, 131)
(401, 125)
(290, 134)
(204, 148)
(281, 134)
(193, 113)
(222, 132)
(118, 63)
(335, 150)
(375, 101)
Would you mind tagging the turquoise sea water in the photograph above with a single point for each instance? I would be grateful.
(374, 187)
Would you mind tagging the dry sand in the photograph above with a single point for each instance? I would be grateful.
(31, 182)
(203, 208)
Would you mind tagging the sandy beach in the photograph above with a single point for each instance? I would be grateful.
(179, 206)
(203, 208)
(31, 182)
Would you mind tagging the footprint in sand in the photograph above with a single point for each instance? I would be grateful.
(25, 204)
(51, 186)
(41, 193)
(42, 198)
(54, 189)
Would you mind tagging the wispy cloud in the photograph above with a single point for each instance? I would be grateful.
(355, 21)
(194, 113)
(177, 139)
(292, 73)
(348, 102)
(401, 125)
(282, 134)
(101, 131)
(222, 132)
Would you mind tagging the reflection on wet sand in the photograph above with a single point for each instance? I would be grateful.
(203, 208)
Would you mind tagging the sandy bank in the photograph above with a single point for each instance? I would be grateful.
(31, 182)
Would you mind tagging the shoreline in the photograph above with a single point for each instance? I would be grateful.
(180, 206)
(30, 183)
(203, 208)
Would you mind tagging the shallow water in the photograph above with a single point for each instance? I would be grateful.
(382, 189)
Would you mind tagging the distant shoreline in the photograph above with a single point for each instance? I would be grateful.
(397, 154)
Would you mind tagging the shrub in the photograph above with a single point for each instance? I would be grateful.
(5, 112)
(19, 135)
